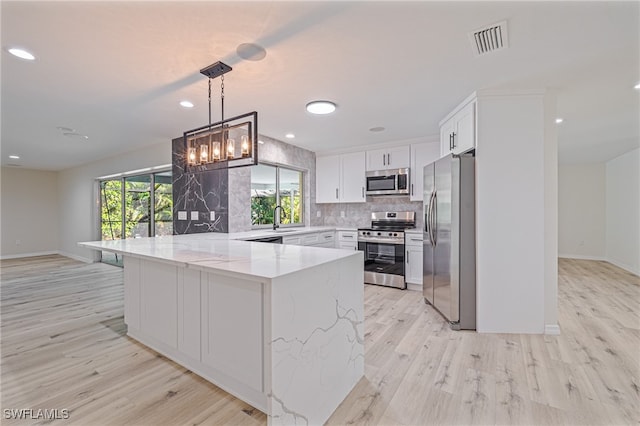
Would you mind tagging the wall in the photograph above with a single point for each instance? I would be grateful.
(623, 211)
(581, 211)
(198, 193)
(28, 212)
(79, 198)
(516, 210)
(275, 152)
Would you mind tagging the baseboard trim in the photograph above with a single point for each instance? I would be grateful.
(552, 329)
(414, 287)
(581, 257)
(75, 257)
(35, 254)
(623, 266)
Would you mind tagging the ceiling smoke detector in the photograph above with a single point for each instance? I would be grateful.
(489, 39)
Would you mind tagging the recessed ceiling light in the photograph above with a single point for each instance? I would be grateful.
(289, 136)
(186, 104)
(637, 86)
(376, 129)
(260, 142)
(21, 53)
(559, 120)
(14, 157)
(321, 107)
(251, 52)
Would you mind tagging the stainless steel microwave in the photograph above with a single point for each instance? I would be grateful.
(388, 182)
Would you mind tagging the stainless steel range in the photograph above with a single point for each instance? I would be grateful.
(383, 247)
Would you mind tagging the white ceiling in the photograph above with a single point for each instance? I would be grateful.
(116, 71)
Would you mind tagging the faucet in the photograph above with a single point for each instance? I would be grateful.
(275, 222)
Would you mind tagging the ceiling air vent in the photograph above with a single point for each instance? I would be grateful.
(490, 39)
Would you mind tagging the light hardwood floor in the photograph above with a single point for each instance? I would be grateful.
(64, 346)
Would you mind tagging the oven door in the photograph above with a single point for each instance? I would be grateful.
(383, 263)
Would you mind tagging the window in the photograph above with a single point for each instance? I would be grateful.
(135, 206)
(272, 186)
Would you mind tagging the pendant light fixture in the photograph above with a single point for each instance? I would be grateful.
(213, 146)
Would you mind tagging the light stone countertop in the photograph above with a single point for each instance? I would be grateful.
(228, 253)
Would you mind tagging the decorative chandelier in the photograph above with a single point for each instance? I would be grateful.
(228, 143)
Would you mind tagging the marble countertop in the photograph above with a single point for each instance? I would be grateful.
(227, 252)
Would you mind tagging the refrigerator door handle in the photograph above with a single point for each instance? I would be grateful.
(427, 219)
(433, 218)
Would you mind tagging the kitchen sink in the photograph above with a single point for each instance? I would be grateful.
(285, 230)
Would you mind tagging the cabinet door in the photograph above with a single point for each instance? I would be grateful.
(328, 179)
(232, 328)
(189, 297)
(413, 266)
(353, 178)
(465, 133)
(398, 157)
(158, 295)
(446, 135)
(346, 245)
(377, 160)
(132, 286)
(421, 155)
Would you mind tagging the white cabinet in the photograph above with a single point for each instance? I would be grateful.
(388, 158)
(340, 178)
(347, 240)
(458, 129)
(189, 296)
(315, 239)
(232, 328)
(158, 294)
(421, 155)
(413, 260)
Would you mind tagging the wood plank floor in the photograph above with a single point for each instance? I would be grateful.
(63, 345)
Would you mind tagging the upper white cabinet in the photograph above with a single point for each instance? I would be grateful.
(388, 158)
(341, 178)
(421, 155)
(458, 129)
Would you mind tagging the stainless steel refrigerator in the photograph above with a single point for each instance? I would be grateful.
(449, 252)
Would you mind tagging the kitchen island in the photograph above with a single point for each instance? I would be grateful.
(278, 326)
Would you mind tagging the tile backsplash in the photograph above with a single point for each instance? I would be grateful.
(358, 215)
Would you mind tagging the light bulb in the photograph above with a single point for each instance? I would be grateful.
(231, 148)
(216, 151)
(244, 145)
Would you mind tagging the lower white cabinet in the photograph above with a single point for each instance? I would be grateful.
(316, 239)
(232, 328)
(189, 325)
(158, 294)
(413, 259)
(347, 240)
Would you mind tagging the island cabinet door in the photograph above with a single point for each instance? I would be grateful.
(159, 316)
(131, 292)
(232, 318)
(189, 296)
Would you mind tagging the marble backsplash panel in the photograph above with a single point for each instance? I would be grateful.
(358, 215)
(199, 194)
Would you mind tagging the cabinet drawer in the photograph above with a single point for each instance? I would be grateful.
(413, 240)
(348, 236)
(292, 241)
(326, 237)
(309, 239)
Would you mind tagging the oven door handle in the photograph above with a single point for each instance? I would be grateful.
(380, 241)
